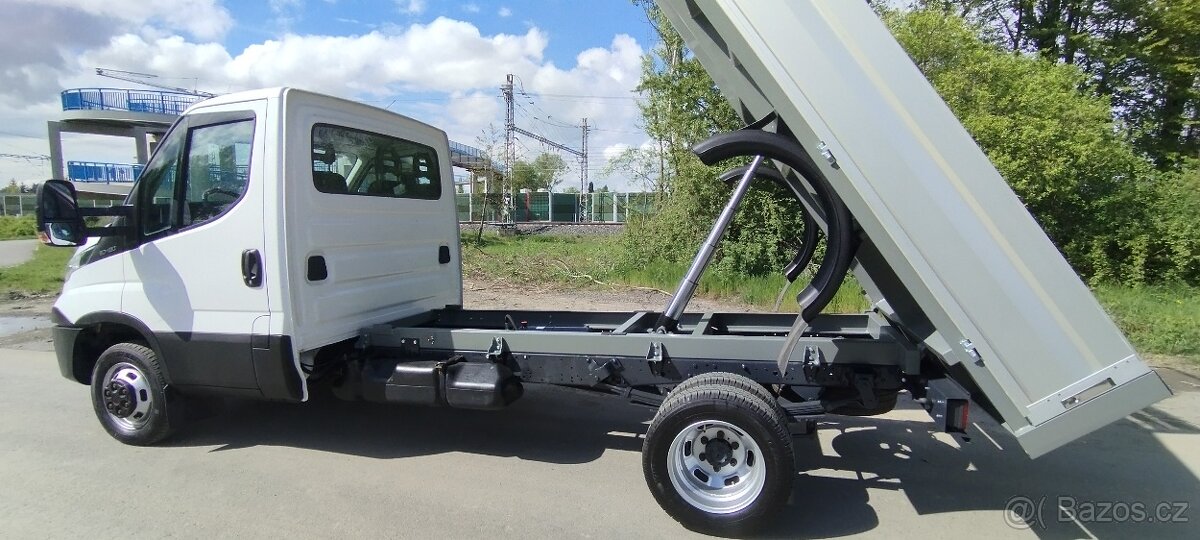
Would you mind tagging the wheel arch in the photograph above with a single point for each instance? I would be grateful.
(101, 330)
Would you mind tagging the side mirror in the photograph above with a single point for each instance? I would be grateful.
(58, 220)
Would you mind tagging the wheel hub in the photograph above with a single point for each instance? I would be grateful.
(718, 453)
(716, 467)
(127, 396)
(120, 398)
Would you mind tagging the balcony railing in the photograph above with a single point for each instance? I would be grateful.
(117, 99)
(93, 171)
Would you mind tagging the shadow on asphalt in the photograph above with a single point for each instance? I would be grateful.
(1121, 464)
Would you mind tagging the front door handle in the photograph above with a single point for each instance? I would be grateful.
(252, 268)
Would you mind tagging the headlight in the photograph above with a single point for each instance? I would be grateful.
(76, 259)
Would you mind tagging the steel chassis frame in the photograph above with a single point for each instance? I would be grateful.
(860, 352)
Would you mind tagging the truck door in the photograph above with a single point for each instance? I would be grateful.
(196, 277)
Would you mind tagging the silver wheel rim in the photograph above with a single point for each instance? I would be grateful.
(732, 483)
(139, 397)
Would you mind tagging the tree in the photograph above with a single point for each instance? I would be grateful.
(544, 172)
(682, 106)
(1144, 54)
(1055, 143)
(13, 187)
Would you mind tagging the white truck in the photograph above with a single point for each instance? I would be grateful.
(280, 240)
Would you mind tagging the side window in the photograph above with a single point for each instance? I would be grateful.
(218, 162)
(356, 162)
(157, 185)
(190, 185)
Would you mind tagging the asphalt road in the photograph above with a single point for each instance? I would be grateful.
(555, 464)
(14, 252)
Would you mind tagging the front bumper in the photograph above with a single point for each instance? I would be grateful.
(64, 349)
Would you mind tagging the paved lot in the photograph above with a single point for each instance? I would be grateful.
(14, 252)
(556, 464)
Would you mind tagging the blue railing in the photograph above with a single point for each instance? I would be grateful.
(93, 171)
(116, 99)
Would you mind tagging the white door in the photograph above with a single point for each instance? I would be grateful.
(196, 278)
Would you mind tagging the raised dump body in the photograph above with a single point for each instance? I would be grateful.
(950, 254)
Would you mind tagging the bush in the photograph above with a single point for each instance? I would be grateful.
(1052, 139)
(13, 227)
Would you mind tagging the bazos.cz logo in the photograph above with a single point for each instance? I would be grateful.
(1021, 512)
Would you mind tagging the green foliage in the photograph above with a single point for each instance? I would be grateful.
(13, 227)
(1057, 146)
(544, 172)
(1157, 319)
(1144, 54)
(1172, 241)
(682, 107)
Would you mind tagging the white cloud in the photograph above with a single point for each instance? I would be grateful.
(204, 19)
(411, 7)
(613, 150)
(448, 63)
(471, 7)
(504, 12)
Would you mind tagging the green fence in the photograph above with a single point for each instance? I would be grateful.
(543, 206)
(26, 204)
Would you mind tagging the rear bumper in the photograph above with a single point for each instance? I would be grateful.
(64, 350)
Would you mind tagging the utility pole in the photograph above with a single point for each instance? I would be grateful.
(511, 129)
(509, 146)
(583, 164)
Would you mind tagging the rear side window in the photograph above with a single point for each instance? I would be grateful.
(355, 162)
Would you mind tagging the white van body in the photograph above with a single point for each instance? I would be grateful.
(385, 257)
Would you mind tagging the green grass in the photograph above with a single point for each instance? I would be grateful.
(15, 227)
(41, 275)
(1157, 319)
(1163, 319)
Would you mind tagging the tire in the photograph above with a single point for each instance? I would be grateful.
(130, 397)
(740, 382)
(742, 481)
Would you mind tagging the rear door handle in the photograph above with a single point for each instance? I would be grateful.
(252, 268)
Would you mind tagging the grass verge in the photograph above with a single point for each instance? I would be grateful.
(41, 275)
(590, 261)
(1159, 319)
(1163, 319)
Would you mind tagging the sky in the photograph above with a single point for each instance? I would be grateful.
(439, 61)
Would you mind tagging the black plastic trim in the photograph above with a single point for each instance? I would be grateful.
(275, 368)
(64, 349)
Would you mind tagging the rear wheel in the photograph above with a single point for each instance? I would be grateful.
(718, 458)
(129, 395)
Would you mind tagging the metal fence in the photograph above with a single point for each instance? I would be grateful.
(118, 99)
(95, 171)
(558, 207)
(26, 204)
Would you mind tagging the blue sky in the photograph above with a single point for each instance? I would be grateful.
(441, 62)
(571, 25)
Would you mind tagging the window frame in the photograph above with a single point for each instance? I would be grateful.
(189, 124)
(435, 162)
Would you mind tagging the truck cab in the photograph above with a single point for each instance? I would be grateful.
(266, 225)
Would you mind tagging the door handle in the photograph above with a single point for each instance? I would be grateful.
(252, 268)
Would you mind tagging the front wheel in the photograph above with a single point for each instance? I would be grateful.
(129, 395)
(718, 458)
